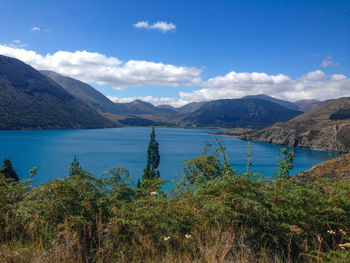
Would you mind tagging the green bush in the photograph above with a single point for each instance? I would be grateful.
(213, 215)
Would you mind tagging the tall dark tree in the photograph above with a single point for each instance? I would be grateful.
(153, 158)
(75, 168)
(8, 170)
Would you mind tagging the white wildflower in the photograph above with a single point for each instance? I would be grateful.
(187, 236)
(166, 238)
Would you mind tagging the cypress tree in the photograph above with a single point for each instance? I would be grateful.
(153, 158)
(8, 171)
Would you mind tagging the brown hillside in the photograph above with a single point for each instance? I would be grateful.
(337, 168)
(313, 129)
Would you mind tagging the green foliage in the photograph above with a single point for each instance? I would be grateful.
(153, 158)
(285, 164)
(75, 168)
(117, 185)
(8, 171)
(249, 157)
(216, 215)
(207, 166)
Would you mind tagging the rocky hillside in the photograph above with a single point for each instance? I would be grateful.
(337, 168)
(30, 100)
(250, 112)
(314, 129)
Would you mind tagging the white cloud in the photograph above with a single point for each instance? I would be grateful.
(97, 68)
(314, 75)
(17, 44)
(313, 85)
(329, 62)
(161, 26)
(36, 28)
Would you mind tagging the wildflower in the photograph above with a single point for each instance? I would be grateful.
(331, 232)
(166, 238)
(187, 236)
(154, 193)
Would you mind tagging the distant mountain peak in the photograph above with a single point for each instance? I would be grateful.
(245, 112)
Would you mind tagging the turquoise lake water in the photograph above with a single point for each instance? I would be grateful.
(100, 149)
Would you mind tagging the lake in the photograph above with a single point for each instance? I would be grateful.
(100, 149)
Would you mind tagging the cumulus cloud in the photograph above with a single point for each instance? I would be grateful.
(35, 28)
(329, 62)
(161, 26)
(313, 85)
(97, 68)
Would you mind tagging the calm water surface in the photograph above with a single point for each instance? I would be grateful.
(98, 150)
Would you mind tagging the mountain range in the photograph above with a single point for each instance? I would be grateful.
(30, 100)
(300, 105)
(40, 100)
(246, 112)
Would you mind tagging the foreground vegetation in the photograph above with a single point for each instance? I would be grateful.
(213, 215)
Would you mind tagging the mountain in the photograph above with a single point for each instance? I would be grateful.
(307, 105)
(191, 107)
(83, 92)
(141, 107)
(137, 122)
(30, 100)
(145, 110)
(284, 103)
(337, 169)
(251, 112)
(166, 106)
(325, 128)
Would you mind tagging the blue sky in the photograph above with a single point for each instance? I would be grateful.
(284, 41)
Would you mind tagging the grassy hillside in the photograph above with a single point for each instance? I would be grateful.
(250, 112)
(336, 168)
